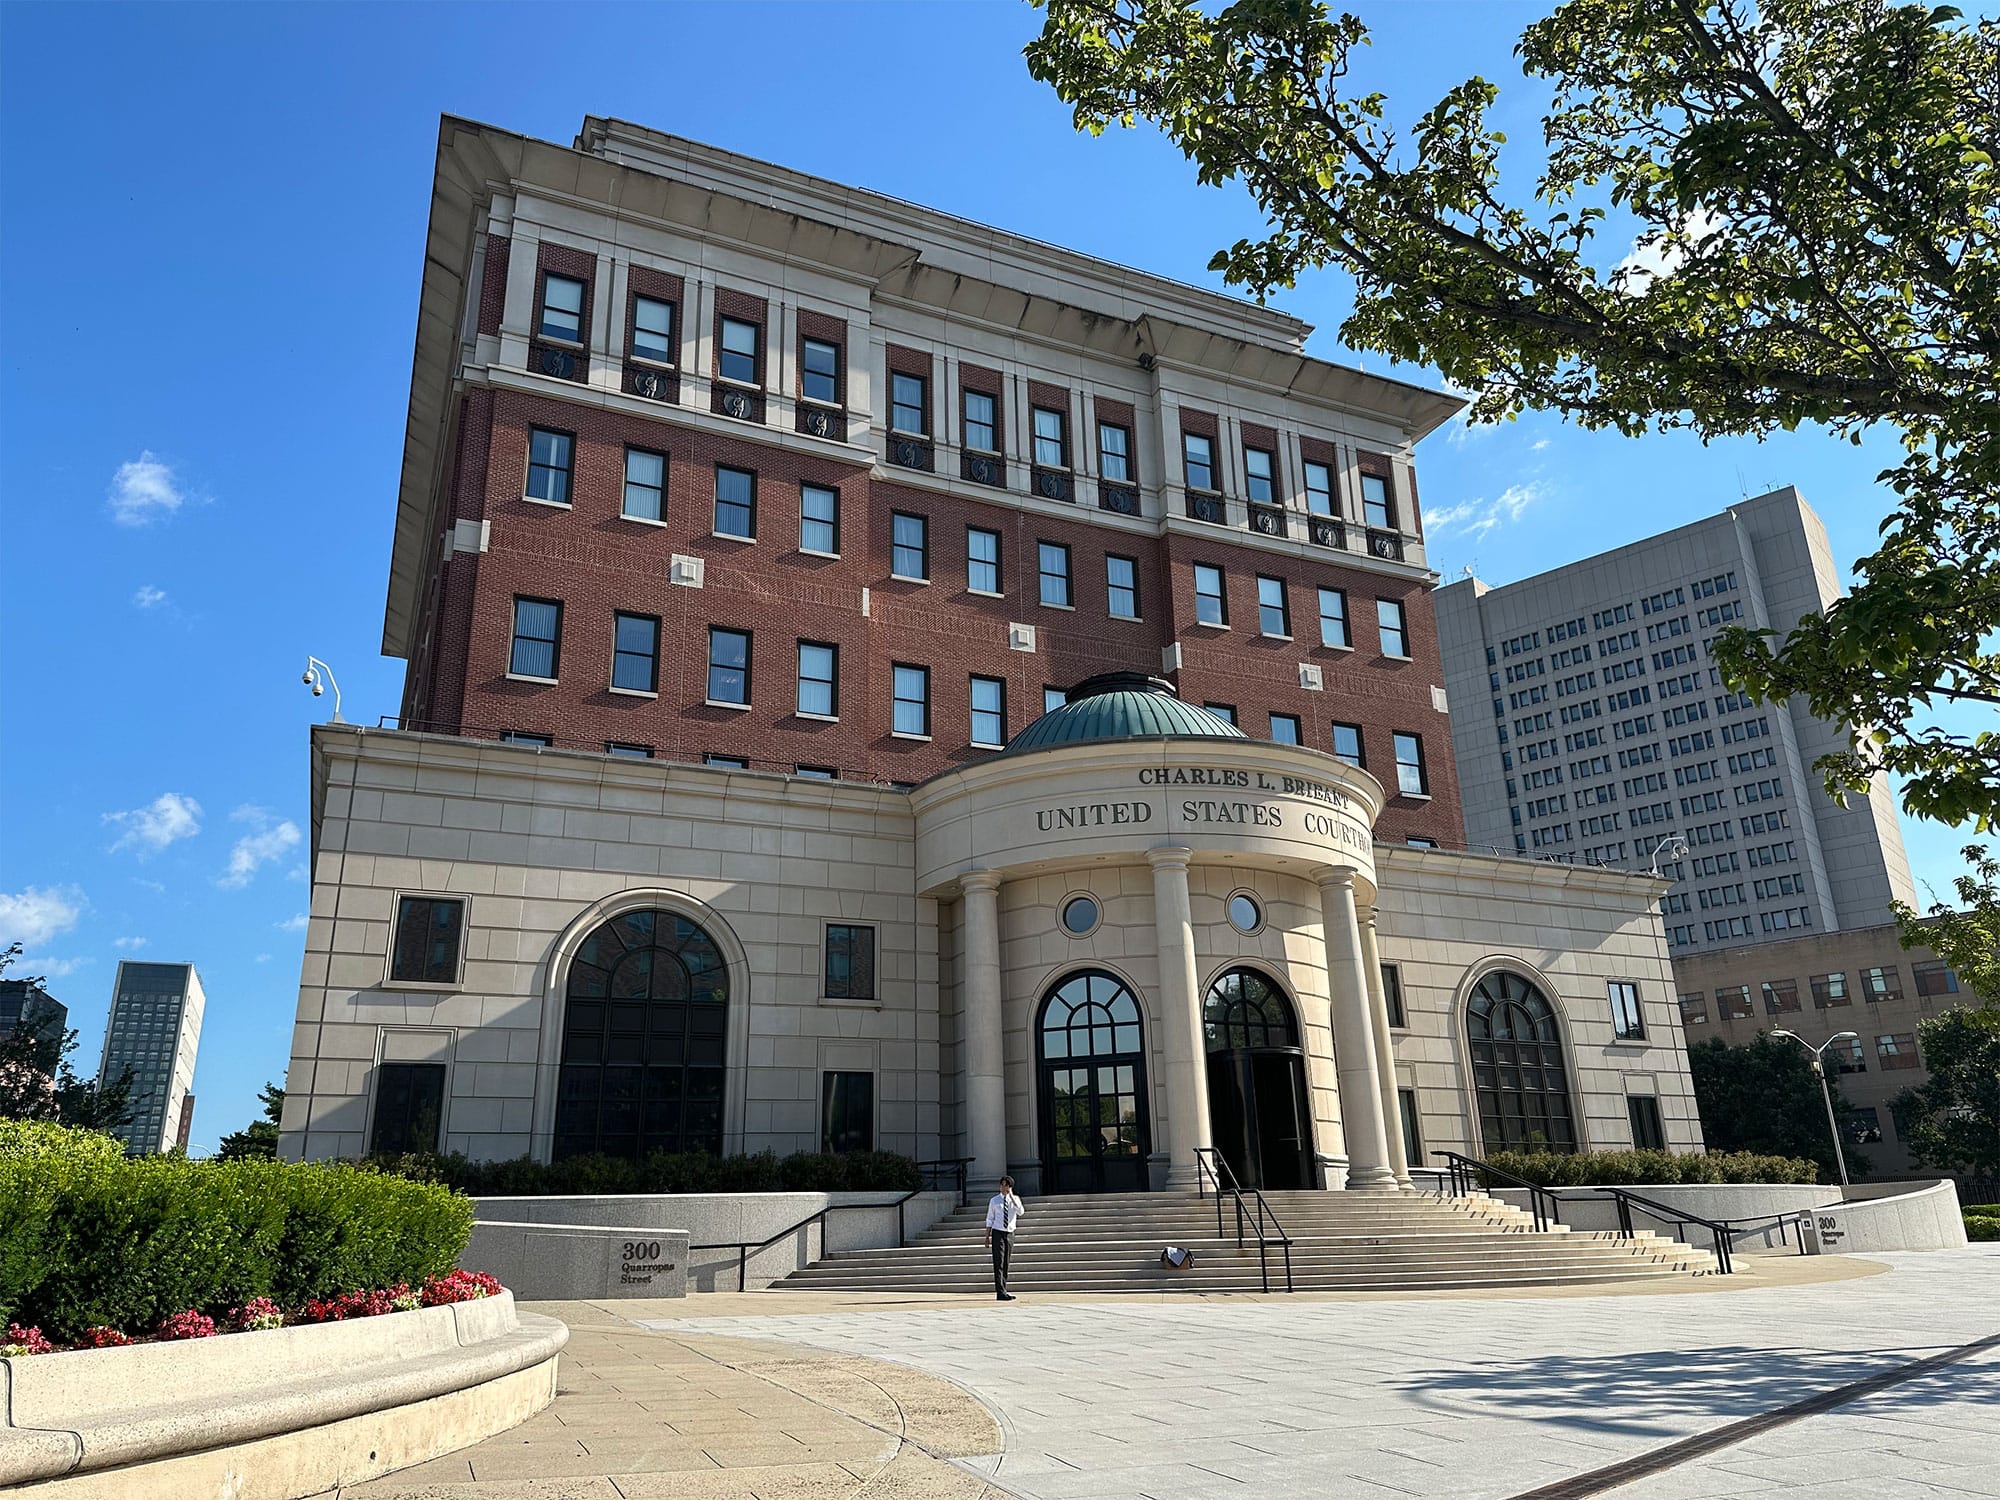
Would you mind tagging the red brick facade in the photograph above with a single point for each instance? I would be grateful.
(597, 562)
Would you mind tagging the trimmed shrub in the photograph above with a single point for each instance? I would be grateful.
(1982, 1221)
(1639, 1168)
(36, 1137)
(89, 1241)
(662, 1172)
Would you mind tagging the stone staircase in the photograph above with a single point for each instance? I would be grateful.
(1388, 1242)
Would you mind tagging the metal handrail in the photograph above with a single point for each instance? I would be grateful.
(1210, 1165)
(746, 1248)
(1545, 1199)
(958, 1164)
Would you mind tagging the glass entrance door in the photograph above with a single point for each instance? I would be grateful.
(1260, 1115)
(1092, 1077)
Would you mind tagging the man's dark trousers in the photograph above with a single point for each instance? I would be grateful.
(1003, 1246)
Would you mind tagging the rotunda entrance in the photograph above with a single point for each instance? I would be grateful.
(1259, 1112)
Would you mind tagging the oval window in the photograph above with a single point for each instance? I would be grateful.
(1079, 915)
(1244, 914)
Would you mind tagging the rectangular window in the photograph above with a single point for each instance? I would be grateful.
(1934, 977)
(728, 666)
(1413, 1139)
(735, 503)
(409, 1107)
(1392, 996)
(1411, 778)
(819, 679)
(980, 431)
(847, 1112)
(982, 560)
(1051, 441)
(1114, 453)
(1829, 990)
(907, 403)
(739, 351)
(989, 712)
(1121, 587)
(428, 935)
(1694, 1008)
(1627, 1023)
(1053, 698)
(850, 962)
(1732, 1003)
(1198, 458)
(1223, 711)
(562, 308)
(1375, 507)
(1347, 744)
(549, 457)
(526, 737)
(1333, 617)
(1258, 481)
(1882, 984)
(1647, 1132)
(909, 552)
(816, 773)
(1319, 489)
(1896, 1050)
(645, 485)
(1389, 617)
(725, 762)
(913, 701)
(819, 372)
(1274, 611)
(628, 751)
(653, 329)
(1054, 569)
(1284, 729)
(819, 519)
(537, 638)
(635, 653)
(1211, 605)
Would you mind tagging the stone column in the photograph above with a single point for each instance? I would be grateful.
(983, 1058)
(1385, 1053)
(1180, 1016)
(1361, 1113)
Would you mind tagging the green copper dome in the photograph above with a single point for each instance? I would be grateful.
(1118, 706)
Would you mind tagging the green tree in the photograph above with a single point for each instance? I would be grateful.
(1967, 939)
(259, 1137)
(1817, 212)
(37, 1083)
(1764, 1097)
(1952, 1123)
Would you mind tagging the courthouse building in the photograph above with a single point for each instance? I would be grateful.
(879, 681)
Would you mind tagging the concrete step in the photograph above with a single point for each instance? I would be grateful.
(1246, 1281)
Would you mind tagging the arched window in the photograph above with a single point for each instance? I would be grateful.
(1092, 1070)
(1517, 1067)
(644, 1026)
(1245, 1010)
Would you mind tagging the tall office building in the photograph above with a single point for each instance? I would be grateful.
(1591, 725)
(154, 1029)
(23, 1002)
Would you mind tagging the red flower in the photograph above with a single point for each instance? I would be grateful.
(459, 1286)
(21, 1341)
(187, 1325)
(103, 1337)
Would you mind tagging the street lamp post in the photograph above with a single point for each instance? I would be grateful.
(1825, 1093)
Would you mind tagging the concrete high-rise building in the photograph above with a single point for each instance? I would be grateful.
(1591, 725)
(154, 1029)
(23, 1002)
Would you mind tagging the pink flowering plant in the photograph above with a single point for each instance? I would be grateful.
(256, 1314)
(22, 1341)
(186, 1325)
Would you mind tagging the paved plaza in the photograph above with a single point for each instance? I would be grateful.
(1172, 1398)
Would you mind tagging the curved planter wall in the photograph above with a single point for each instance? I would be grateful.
(274, 1415)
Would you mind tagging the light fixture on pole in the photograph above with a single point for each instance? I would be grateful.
(1674, 846)
(314, 667)
(1826, 1093)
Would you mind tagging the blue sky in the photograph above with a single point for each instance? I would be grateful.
(210, 262)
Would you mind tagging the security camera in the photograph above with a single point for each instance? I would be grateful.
(307, 677)
(318, 691)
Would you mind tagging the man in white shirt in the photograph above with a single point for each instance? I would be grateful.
(1002, 1214)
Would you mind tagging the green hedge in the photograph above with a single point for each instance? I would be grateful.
(1636, 1168)
(1982, 1221)
(87, 1239)
(663, 1172)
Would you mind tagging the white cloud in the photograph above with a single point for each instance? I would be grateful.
(268, 839)
(167, 817)
(130, 945)
(1538, 445)
(37, 914)
(144, 490)
(263, 958)
(1475, 518)
(149, 597)
(292, 924)
(51, 968)
(1658, 252)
